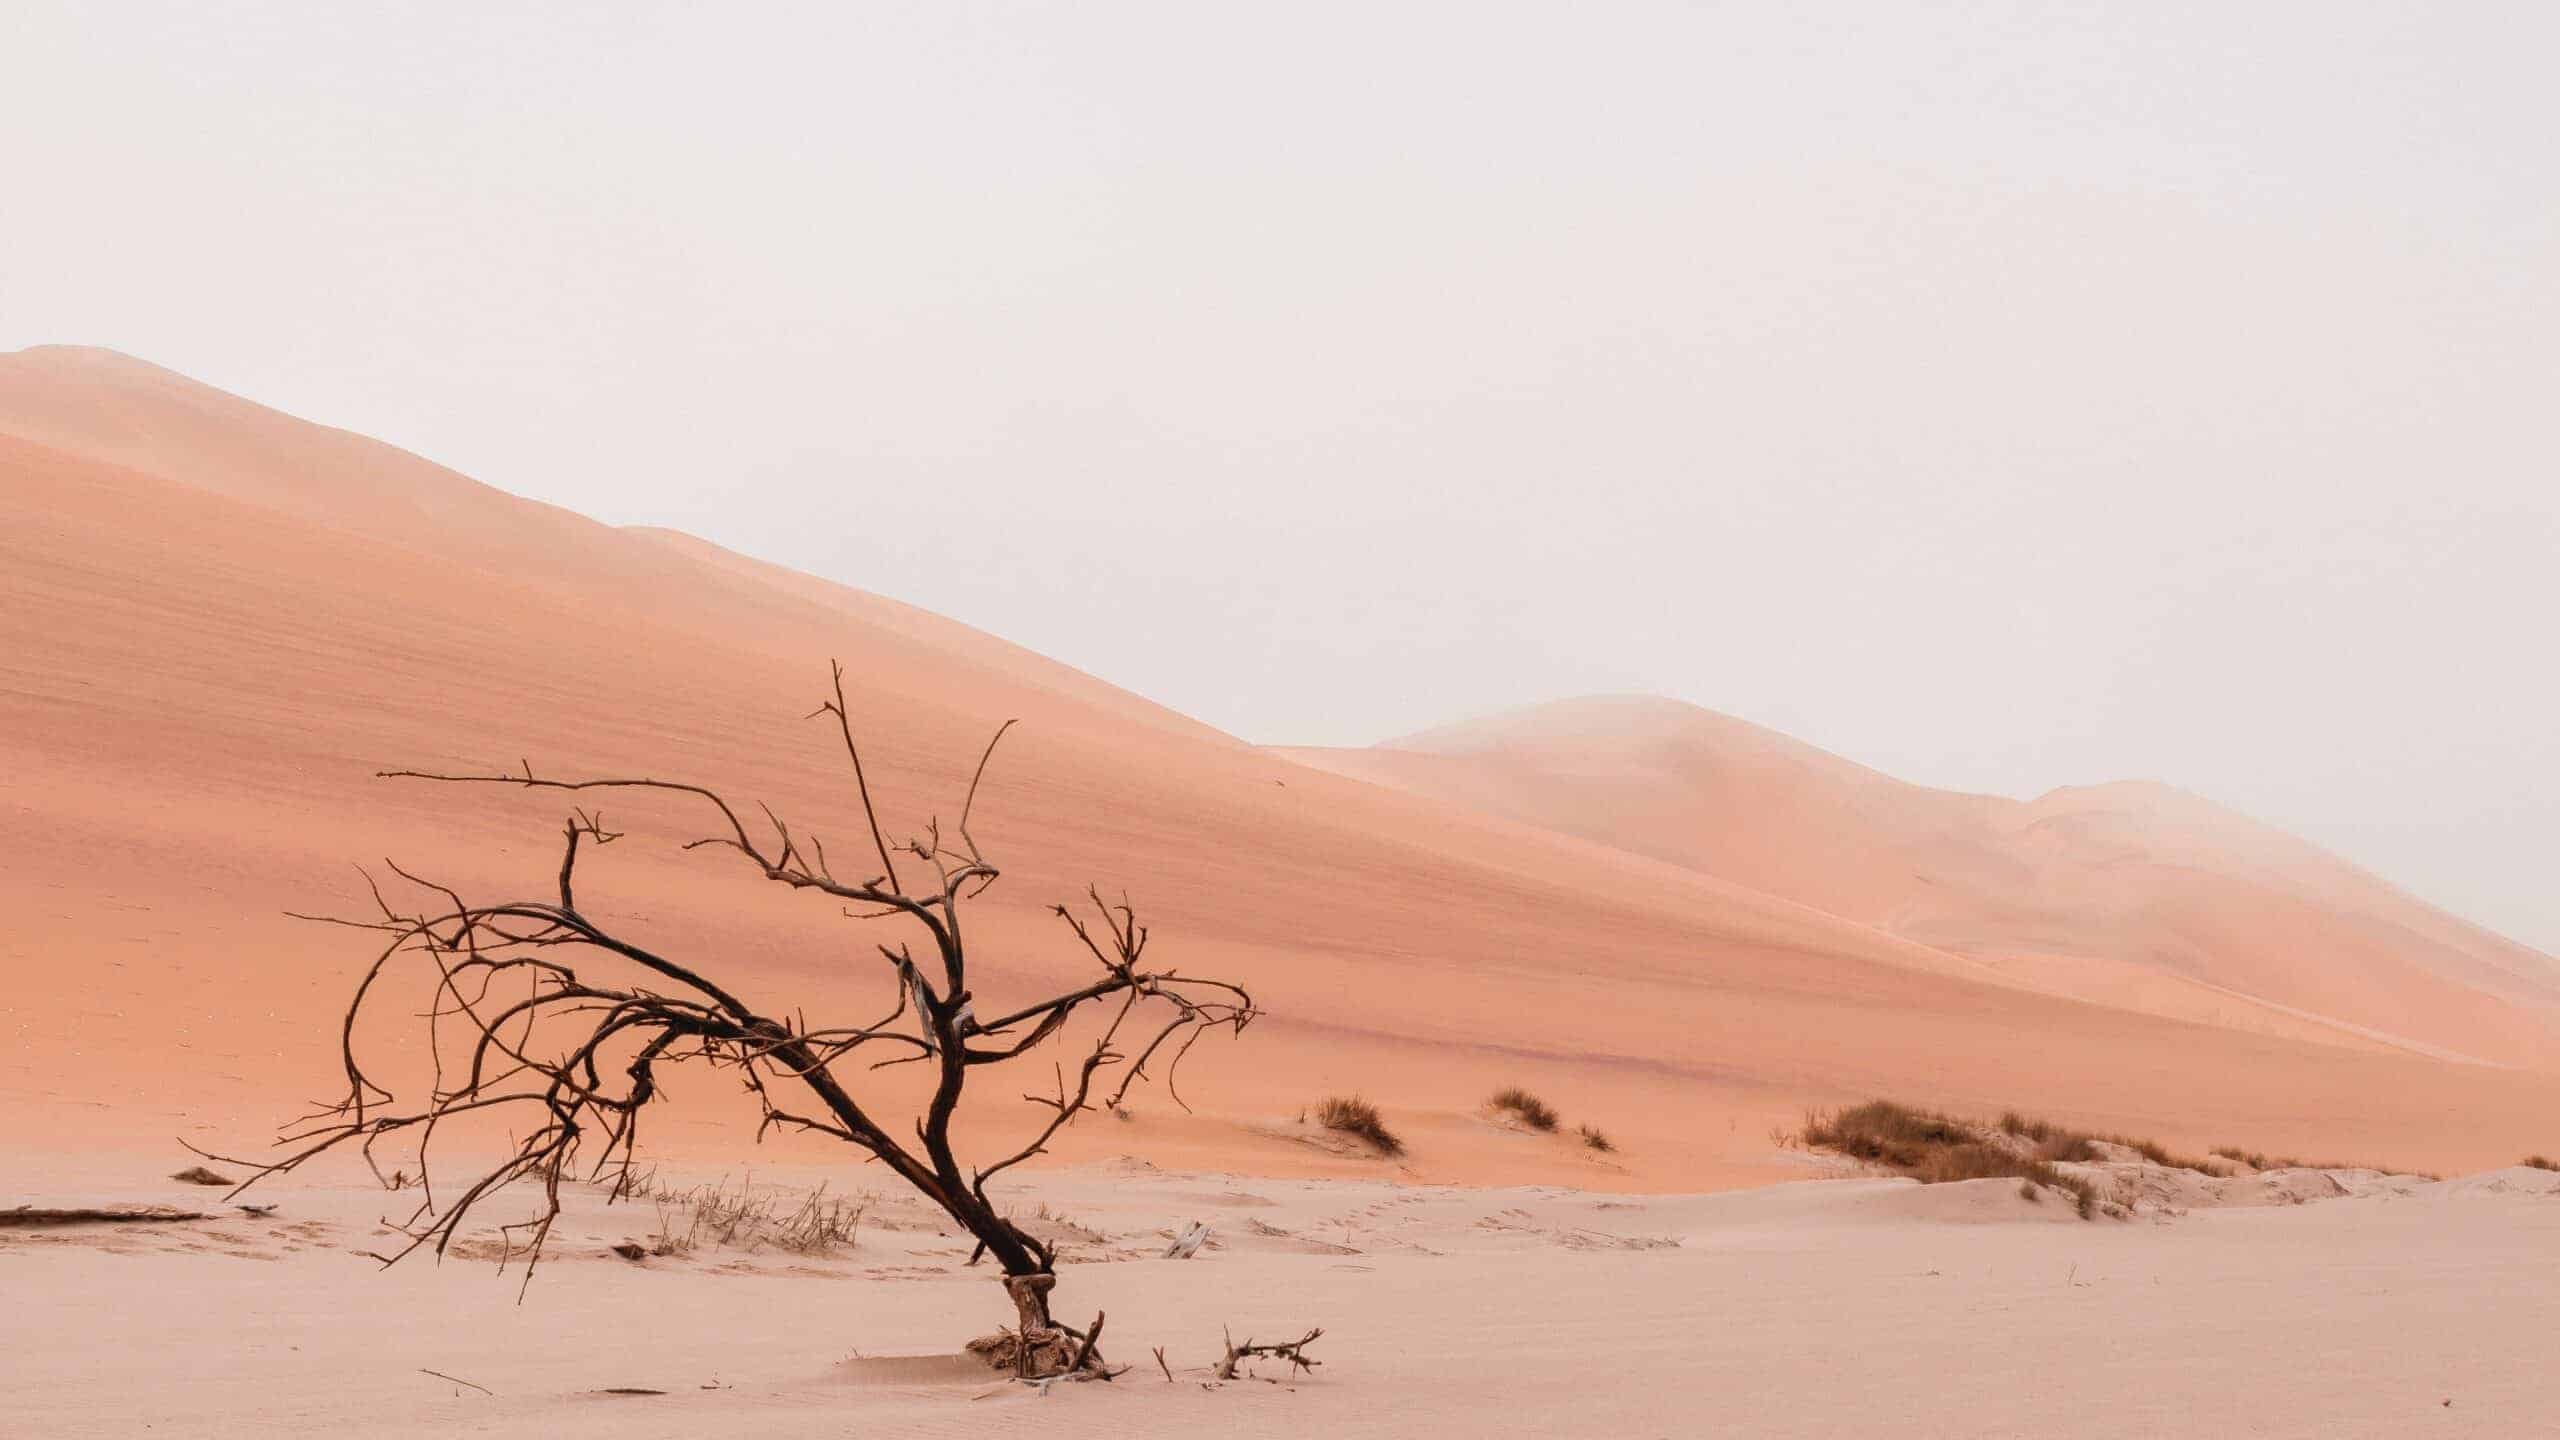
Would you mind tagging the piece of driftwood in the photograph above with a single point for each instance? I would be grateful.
(629, 1251)
(28, 1215)
(1188, 1243)
(1293, 1351)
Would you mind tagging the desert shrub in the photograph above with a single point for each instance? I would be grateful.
(1353, 1115)
(1936, 1149)
(1976, 1161)
(1528, 1109)
(2541, 1162)
(1592, 1137)
(1884, 1132)
(2061, 1144)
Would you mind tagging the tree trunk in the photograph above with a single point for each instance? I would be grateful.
(1044, 1349)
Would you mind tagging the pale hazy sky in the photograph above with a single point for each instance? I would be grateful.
(2006, 396)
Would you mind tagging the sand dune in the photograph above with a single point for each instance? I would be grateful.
(216, 621)
(2132, 894)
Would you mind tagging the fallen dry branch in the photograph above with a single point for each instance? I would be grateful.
(33, 1215)
(199, 1175)
(1084, 1351)
(1188, 1243)
(1293, 1351)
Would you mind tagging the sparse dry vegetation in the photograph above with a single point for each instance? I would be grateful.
(1355, 1116)
(693, 1217)
(2540, 1162)
(2260, 1160)
(1936, 1149)
(1932, 1147)
(1528, 1109)
(2013, 1123)
(2056, 1143)
(1592, 1138)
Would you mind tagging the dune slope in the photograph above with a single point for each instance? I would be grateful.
(2132, 893)
(217, 621)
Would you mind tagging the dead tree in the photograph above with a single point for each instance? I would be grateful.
(525, 1024)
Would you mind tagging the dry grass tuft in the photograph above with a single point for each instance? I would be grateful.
(1528, 1109)
(2260, 1160)
(1936, 1149)
(1354, 1116)
(1885, 1133)
(747, 1219)
(1592, 1137)
(2057, 1143)
(2013, 1123)
(1932, 1147)
(2540, 1162)
(2158, 1154)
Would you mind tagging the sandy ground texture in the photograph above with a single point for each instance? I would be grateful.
(2297, 1304)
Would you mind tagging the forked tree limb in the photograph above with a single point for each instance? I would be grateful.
(1293, 1351)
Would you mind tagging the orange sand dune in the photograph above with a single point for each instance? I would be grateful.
(2135, 894)
(217, 621)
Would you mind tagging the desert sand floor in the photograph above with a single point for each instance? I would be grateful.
(1823, 1307)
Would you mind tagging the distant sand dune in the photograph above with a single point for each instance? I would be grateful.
(2131, 894)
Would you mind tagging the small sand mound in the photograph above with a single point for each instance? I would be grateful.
(1002, 1351)
(2513, 1180)
(949, 1367)
(1976, 1202)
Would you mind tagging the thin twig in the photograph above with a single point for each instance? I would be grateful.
(456, 1379)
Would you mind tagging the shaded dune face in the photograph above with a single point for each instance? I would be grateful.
(217, 621)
